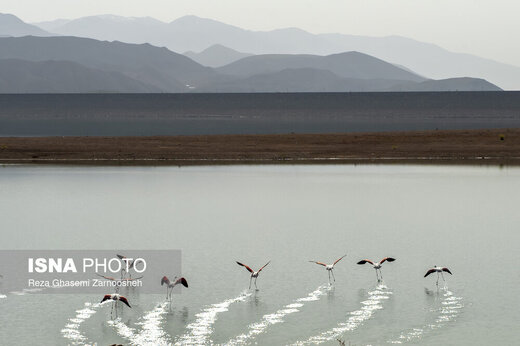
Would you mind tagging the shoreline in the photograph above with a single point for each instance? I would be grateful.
(460, 147)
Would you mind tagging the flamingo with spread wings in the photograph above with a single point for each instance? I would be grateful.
(171, 284)
(330, 267)
(438, 270)
(116, 298)
(377, 266)
(253, 273)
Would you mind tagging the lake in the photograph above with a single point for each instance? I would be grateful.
(462, 217)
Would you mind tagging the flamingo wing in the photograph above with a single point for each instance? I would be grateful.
(429, 272)
(124, 300)
(365, 261)
(265, 265)
(165, 280)
(389, 259)
(446, 270)
(133, 279)
(121, 256)
(243, 265)
(320, 263)
(181, 281)
(106, 277)
(339, 259)
(106, 297)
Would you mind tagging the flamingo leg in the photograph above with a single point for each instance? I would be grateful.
(332, 272)
(377, 276)
(381, 274)
(328, 271)
(255, 284)
(437, 280)
(251, 278)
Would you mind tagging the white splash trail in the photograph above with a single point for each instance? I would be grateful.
(151, 332)
(277, 317)
(449, 309)
(26, 291)
(2, 296)
(71, 330)
(371, 305)
(202, 328)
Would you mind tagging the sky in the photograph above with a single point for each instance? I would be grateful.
(487, 28)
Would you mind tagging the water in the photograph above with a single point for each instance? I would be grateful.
(465, 218)
(256, 113)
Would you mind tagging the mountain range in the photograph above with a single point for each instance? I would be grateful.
(44, 63)
(191, 33)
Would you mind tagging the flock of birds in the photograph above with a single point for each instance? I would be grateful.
(170, 284)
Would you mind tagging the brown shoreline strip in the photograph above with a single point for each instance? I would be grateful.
(500, 146)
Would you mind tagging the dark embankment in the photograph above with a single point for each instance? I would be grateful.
(458, 147)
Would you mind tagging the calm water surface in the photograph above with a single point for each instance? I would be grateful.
(465, 218)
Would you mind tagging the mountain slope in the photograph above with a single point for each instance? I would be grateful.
(191, 33)
(12, 26)
(19, 76)
(159, 67)
(346, 65)
(450, 84)
(216, 56)
(318, 80)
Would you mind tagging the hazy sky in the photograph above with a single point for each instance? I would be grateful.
(488, 28)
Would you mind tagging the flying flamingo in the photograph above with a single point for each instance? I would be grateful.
(115, 297)
(126, 263)
(438, 270)
(171, 285)
(253, 273)
(330, 267)
(377, 266)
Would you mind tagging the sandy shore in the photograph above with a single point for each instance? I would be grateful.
(455, 147)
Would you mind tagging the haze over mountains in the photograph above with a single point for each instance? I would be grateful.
(191, 33)
(52, 64)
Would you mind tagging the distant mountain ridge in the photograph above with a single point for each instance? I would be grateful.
(20, 76)
(158, 67)
(12, 26)
(216, 56)
(75, 64)
(347, 65)
(191, 33)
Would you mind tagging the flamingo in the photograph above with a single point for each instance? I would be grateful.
(115, 297)
(126, 262)
(253, 273)
(377, 266)
(438, 270)
(171, 285)
(329, 267)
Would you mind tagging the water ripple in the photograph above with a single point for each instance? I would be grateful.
(202, 328)
(71, 330)
(356, 318)
(277, 317)
(448, 310)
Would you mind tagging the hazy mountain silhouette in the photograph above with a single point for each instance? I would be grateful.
(318, 80)
(216, 56)
(346, 65)
(54, 64)
(450, 84)
(20, 76)
(192, 33)
(12, 26)
(154, 66)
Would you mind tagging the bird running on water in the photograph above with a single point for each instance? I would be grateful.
(377, 266)
(253, 273)
(330, 267)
